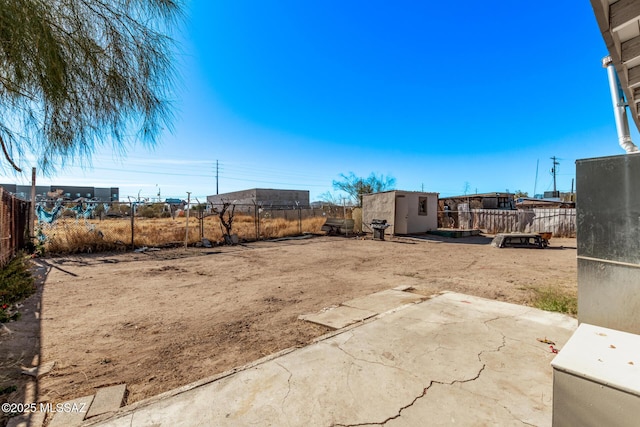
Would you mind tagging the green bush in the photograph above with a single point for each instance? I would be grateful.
(554, 300)
(16, 284)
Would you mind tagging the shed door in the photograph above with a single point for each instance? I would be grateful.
(402, 215)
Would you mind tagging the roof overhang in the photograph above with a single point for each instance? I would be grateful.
(619, 22)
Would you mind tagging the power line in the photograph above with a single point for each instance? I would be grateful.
(152, 172)
(278, 183)
(256, 171)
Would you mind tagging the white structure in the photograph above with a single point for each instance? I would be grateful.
(595, 379)
(407, 211)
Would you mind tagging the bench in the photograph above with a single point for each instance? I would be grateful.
(338, 226)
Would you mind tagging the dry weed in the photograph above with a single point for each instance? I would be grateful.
(71, 236)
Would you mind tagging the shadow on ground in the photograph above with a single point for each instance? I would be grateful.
(21, 348)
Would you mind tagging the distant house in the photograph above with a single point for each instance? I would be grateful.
(67, 192)
(479, 201)
(263, 197)
(448, 207)
(555, 203)
(407, 211)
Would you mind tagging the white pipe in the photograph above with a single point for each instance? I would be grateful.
(619, 107)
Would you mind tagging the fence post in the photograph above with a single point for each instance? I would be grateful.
(186, 234)
(255, 219)
(133, 214)
(201, 219)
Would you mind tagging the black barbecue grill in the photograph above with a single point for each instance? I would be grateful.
(378, 226)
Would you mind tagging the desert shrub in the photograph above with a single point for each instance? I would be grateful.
(156, 210)
(119, 209)
(16, 284)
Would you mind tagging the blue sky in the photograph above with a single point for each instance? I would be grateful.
(290, 94)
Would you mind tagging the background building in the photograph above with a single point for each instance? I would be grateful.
(68, 192)
(265, 197)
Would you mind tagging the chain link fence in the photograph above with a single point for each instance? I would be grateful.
(89, 226)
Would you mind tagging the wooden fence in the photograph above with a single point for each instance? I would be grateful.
(14, 218)
(561, 222)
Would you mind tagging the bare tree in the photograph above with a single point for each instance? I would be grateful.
(77, 73)
(356, 186)
(228, 209)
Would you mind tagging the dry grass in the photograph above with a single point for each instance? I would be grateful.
(71, 236)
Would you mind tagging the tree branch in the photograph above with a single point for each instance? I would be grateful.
(7, 156)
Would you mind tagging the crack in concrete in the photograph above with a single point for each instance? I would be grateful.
(523, 422)
(431, 383)
(504, 343)
(349, 382)
(350, 335)
(373, 362)
(514, 417)
(284, 399)
(420, 396)
(500, 347)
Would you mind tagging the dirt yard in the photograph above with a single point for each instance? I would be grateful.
(158, 320)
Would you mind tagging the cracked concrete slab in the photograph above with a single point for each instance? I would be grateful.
(363, 308)
(107, 399)
(73, 417)
(451, 359)
(339, 317)
(384, 301)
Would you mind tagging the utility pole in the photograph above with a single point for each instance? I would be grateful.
(535, 184)
(573, 199)
(217, 177)
(553, 171)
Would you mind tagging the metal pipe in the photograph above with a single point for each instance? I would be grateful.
(619, 107)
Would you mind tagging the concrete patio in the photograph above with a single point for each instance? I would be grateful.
(452, 359)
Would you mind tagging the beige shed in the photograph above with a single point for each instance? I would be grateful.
(408, 212)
